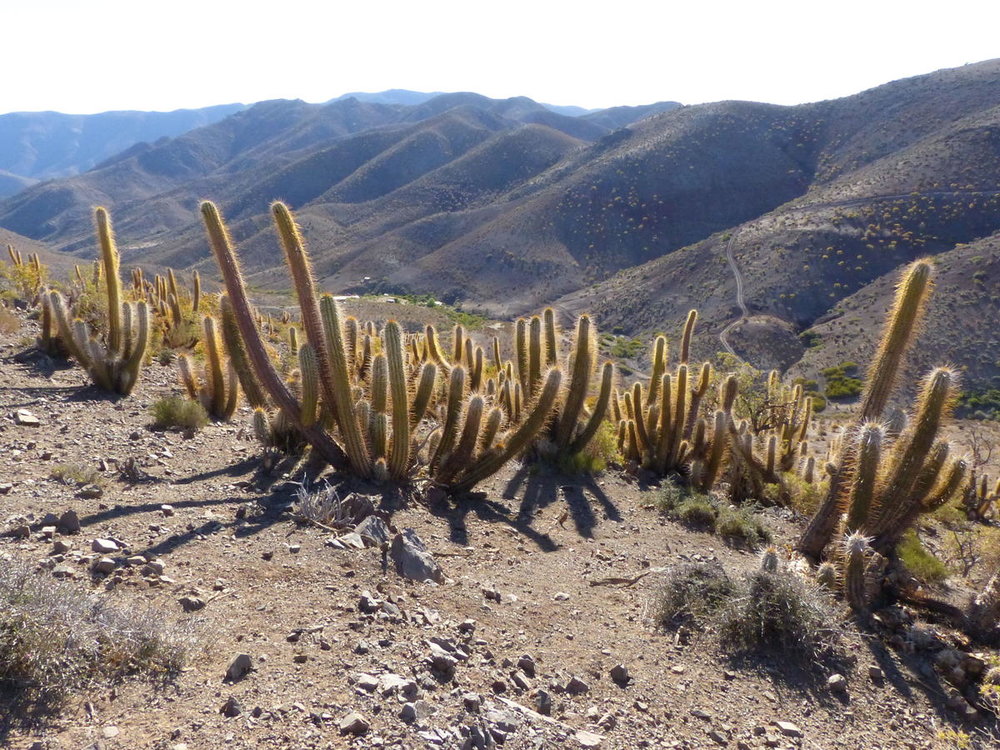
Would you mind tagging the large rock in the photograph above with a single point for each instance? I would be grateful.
(412, 559)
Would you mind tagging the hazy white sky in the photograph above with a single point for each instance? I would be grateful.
(87, 56)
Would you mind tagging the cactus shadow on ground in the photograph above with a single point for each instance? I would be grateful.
(540, 487)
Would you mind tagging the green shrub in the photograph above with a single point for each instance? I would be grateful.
(919, 561)
(841, 382)
(176, 412)
(697, 511)
(76, 474)
(742, 525)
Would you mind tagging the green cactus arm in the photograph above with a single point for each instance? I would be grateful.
(309, 397)
(551, 337)
(188, 378)
(907, 310)
(399, 456)
(912, 449)
(493, 461)
(535, 355)
(600, 411)
(453, 412)
(659, 367)
(109, 257)
(581, 368)
(425, 391)
(687, 335)
(339, 386)
(717, 451)
(465, 450)
(861, 496)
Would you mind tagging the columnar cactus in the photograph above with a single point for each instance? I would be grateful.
(114, 360)
(911, 298)
(216, 390)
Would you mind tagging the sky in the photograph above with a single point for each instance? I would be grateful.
(85, 56)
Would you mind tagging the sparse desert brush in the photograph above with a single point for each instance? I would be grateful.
(781, 611)
(691, 594)
(741, 525)
(56, 637)
(9, 322)
(77, 474)
(175, 412)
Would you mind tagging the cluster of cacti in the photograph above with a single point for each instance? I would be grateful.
(176, 312)
(28, 277)
(979, 495)
(217, 388)
(881, 483)
(661, 428)
(114, 357)
(366, 399)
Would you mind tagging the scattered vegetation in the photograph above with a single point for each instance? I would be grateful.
(176, 412)
(707, 512)
(56, 637)
(841, 381)
(77, 475)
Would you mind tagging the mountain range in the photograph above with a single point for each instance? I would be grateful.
(636, 214)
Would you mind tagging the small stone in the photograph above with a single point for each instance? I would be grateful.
(153, 568)
(366, 682)
(561, 596)
(619, 673)
(231, 708)
(837, 683)
(294, 549)
(527, 665)
(351, 540)
(104, 546)
(472, 702)
(354, 723)
(63, 571)
(368, 603)
(415, 711)
(21, 532)
(91, 491)
(875, 673)
(266, 556)
(608, 721)
(25, 418)
(718, 737)
(110, 732)
(543, 701)
(788, 729)
(699, 714)
(520, 681)
(135, 560)
(5, 488)
(239, 667)
(167, 510)
(59, 547)
(105, 565)
(191, 603)
(69, 522)
(48, 532)
(576, 686)
(588, 739)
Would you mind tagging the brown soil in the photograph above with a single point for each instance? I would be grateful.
(539, 541)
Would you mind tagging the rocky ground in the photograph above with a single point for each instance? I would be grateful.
(537, 634)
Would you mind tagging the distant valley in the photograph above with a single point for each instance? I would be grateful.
(633, 213)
